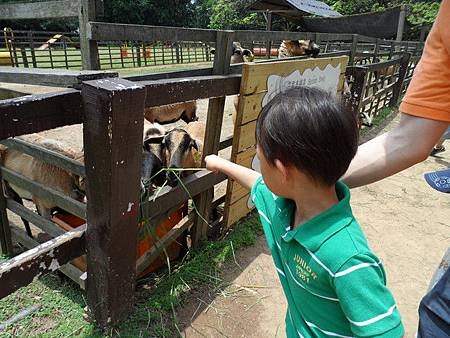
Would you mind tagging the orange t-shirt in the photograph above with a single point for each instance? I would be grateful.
(428, 94)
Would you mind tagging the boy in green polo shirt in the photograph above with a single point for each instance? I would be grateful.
(335, 286)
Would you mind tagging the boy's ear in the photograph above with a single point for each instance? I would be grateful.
(283, 169)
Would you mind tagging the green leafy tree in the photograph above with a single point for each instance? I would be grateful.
(232, 14)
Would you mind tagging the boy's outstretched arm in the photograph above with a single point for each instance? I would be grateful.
(244, 176)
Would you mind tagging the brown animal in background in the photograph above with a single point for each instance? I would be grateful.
(239, 54)
(186, 111)
(291, 48)
(46, 174)
(180, 149)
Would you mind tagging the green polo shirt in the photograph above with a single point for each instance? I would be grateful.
(335, 286)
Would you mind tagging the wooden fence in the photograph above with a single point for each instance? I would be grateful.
(111, 110)
(61, 50)
(32, 49)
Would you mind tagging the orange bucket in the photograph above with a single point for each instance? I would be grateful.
(146, 53)
(146, 238)
(124, 51)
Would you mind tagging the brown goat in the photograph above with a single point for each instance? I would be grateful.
(186, 111)
(291, 48)
(46, 174)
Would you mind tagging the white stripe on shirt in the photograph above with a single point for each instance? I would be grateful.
(374, 319)
(355, 267)
(328, 333)
(264, 216)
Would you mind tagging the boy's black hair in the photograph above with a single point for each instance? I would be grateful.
(308, 128)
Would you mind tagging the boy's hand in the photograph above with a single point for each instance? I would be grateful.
(213, 163)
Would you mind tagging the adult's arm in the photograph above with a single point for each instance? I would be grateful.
(410, 142)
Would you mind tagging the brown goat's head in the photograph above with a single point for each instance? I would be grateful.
(239, 54)
(179, 150)
(301, 47)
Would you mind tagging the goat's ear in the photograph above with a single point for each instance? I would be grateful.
(212, 51)
(153, 140)
(246, 52)
(194, 144)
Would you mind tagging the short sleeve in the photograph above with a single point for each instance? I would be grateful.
(365, 300)
(427, 94)
(259, 194)
(264, 201)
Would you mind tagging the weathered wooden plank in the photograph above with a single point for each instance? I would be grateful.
(226, 143)
(6, 245)
(47, 257)
(224, 51)
(51, 77)
(145, 260)
(64, 202)
(46, 155)
(238, 210)
(42, 223)
(99, 31)
(252, 35)
(171, 197)
(40, 10)
(382, 65)
(170, 75)
(305, 57)
(404, 61)
(35, 113)
(89, 48)
(180, 90)
(68, 269)
(112, 133)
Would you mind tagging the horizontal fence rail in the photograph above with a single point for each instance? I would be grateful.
(100, 31)
(35, 113)
(47, 257)
(58, 78)
(161, 92)
(46, 155)
(171, 197)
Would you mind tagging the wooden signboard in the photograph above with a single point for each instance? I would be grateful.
(260, 83)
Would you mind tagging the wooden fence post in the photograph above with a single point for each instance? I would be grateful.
(89, 49)
(33, 54)
(359, 74)
(113, 127)
(351, 60)
(222, 56)
(5, 231)
(401, 22)
(396, 91)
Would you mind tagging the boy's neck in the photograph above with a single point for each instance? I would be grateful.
(311, 200)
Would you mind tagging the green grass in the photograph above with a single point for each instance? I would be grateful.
(110, 58)
(62, 303)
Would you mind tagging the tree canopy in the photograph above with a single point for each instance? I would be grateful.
(220, 14)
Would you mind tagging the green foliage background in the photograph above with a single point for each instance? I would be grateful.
(218, 14)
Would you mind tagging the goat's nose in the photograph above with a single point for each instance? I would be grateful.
(172, 179)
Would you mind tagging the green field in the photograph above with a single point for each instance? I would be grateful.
(114, 57)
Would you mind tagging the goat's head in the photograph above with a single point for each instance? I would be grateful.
(302, 47)
(179, 150)
(239, 54)
(190, 112)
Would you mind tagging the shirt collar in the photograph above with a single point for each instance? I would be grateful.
(321, 227)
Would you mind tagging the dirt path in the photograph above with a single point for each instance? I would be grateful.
(406, 223)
